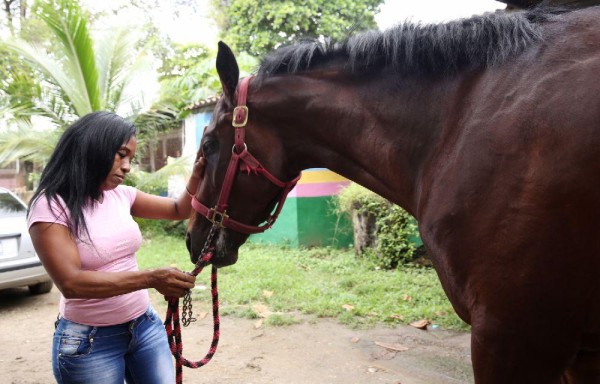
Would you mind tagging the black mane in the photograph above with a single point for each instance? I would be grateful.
(415, 49)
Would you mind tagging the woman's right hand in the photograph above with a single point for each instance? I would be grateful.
(171, 282)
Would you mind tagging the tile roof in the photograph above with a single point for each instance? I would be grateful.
(212, 100)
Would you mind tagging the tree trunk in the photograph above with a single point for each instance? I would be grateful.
(365, 231)
(23, 10)
(9, 16)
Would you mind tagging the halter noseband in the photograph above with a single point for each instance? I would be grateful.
(218, 215)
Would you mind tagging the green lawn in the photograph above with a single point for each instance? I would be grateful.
(318, 282)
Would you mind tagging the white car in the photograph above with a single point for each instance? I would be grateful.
(19, 264)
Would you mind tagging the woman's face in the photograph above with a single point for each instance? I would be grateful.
(121, 165)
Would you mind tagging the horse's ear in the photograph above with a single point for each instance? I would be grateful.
(228, 70)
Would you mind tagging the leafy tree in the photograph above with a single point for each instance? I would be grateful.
(258, 26)
(186, 81)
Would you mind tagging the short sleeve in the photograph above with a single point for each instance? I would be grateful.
(130, 192)
(53, 212)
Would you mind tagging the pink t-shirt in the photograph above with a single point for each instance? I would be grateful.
(115, 238)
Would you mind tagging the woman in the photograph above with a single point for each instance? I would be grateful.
(80, 221)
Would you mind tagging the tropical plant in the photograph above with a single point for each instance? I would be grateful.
(73, 74)
(196, 80)
(391, 236)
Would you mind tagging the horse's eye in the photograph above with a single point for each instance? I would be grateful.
(210, 147)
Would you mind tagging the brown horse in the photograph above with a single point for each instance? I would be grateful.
(487, 130)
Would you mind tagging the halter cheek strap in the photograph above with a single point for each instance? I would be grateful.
(242, 160)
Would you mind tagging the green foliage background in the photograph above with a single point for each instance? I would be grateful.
(258, 26)
(395, 229)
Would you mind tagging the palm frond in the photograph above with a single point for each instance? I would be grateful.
(24, 142)
(54, 70)
(114, 51)
(70, 27)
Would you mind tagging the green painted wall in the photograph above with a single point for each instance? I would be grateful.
(318, 225)
(309, 221)
(285, 229)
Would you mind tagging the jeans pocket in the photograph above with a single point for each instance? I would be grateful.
(74, 346)
(74, 339)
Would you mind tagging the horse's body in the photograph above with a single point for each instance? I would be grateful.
(500, 165)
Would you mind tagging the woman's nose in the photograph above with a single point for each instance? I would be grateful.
(126, 165)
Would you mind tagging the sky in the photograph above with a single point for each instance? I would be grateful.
(432, 11)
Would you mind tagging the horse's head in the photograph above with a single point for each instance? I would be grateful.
(242, 191)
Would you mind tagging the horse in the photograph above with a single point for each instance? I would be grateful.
(485, 129)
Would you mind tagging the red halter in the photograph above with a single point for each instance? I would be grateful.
(218, 215)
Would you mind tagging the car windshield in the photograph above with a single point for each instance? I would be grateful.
(9, 205)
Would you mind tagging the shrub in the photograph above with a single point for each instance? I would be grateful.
(382, 231)
(151, 227)
(156, 184)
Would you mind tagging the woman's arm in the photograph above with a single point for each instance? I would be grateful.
(58, 252)
(149, 206)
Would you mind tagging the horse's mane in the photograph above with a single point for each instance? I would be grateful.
(415, 49)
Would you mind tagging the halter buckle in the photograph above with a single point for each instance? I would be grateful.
(240, 116)
(217, 217)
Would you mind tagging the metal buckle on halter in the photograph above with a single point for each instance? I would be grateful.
(237, 111)
(217, 217)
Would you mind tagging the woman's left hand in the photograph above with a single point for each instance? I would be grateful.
(199, 167)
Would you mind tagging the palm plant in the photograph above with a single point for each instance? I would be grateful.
(74, 74)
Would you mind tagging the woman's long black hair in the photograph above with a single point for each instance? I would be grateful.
(81, 162)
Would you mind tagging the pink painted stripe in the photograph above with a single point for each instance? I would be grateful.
(320, 189)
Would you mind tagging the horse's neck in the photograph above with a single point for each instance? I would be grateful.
(376, 133)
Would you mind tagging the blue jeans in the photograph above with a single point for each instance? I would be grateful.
(132, 352)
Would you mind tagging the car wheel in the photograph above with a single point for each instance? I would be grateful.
(44, 287)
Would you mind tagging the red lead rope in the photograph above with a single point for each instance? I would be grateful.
(173, 325)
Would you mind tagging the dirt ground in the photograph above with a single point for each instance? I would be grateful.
(311, 352)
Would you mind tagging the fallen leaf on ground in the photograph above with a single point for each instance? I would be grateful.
(396, 316)
(393, 347)
(355, 340)
(348, 307)
(261, 310)
(258, 324)
(421, 324)
(383, 354)
(201, 315)
(407, 298)
(267, 293)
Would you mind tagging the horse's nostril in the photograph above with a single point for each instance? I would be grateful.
(188, 242)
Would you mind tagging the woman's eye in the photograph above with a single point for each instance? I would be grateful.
(122, 154)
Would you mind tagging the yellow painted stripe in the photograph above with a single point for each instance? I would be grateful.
(321, 176)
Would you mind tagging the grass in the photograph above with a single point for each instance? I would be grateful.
(280, 284)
